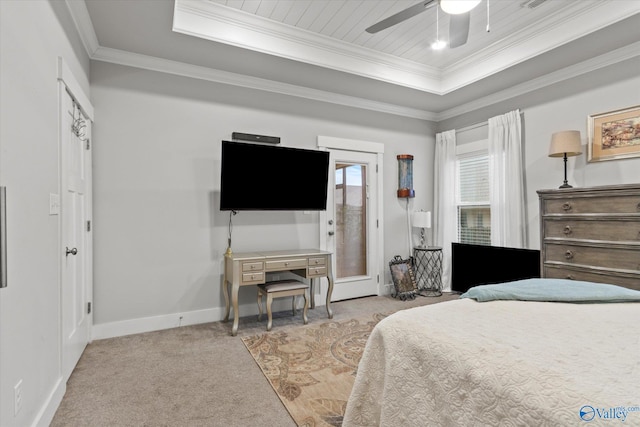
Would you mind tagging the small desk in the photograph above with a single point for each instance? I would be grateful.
(251, 268)
(428, 265)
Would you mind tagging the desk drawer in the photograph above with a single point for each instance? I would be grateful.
(257, 277)
(317, 261)
(317, 271)
(253, 266)
(287, 264)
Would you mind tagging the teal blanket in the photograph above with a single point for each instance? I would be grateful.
(553, 290)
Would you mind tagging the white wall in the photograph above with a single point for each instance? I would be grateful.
(159, 235)
(32, 36)
(566, 106)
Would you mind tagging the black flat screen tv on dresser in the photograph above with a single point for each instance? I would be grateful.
(265, 177)
(473, 265)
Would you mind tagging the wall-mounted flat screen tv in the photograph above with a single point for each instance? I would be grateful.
(267, 177)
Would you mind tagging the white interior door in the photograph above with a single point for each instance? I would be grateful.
(75, 211)
(351, 223)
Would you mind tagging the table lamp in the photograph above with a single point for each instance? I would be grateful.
(564, 144)
(422, 220)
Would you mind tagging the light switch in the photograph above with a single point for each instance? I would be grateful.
(54, 204)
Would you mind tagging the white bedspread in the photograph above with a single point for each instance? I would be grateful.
(501, 363)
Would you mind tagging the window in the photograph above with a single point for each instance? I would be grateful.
(350, 199)
(472, 194)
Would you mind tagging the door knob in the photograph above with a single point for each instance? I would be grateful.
(71, 251)
(331, 233)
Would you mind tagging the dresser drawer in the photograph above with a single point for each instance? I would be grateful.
(582, 205)
(253, 266)
(257, 277)
(628, 280)
(285, 264)
(317, 272)
(616, 231)
(607, 257)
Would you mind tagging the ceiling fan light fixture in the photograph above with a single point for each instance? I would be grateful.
(438, 45)
(456, 7)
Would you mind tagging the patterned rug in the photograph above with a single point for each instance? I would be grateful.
(312, 368)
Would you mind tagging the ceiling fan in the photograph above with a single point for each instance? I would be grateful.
(458, 24)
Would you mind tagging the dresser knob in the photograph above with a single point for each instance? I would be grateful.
(567, 230)
(566, 206)
(568, 255)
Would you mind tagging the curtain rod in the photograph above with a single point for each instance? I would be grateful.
(472, 126)
(478, 124)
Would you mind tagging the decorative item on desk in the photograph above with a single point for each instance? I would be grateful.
(405, 175)
(422, 220)
(564, 144)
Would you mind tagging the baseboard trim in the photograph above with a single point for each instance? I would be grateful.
(48, 410)
(175, 320)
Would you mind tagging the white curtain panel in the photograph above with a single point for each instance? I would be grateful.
(506, 181)
(445, 224)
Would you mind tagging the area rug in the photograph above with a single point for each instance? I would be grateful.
(312, 368)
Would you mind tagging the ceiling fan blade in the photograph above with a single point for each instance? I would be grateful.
(401, 16)
(459, 29)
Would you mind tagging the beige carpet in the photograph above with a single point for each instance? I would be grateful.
(193, 376)
(312, 368)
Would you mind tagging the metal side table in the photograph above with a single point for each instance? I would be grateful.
(428, 268)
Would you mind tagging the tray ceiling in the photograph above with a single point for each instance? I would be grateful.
(319, 48)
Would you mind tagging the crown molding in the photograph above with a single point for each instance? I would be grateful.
(555, 31)
(84, 26)
(212, 21)
(121, 57)
(611, 58)
(96, 52)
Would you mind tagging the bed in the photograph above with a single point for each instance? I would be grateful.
(503, 362)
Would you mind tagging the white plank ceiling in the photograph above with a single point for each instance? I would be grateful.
(346, 20)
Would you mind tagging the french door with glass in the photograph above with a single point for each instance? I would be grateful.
(351, 223)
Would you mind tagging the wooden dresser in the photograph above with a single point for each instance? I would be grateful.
(591, 234)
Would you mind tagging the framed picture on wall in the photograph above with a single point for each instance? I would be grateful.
(614, 135)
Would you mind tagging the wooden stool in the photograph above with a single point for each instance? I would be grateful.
(282, 288)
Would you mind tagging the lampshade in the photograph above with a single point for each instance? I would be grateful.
(456, 7)
(421, 219)
(566, 142)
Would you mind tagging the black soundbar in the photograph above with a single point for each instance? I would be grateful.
(237, 136)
